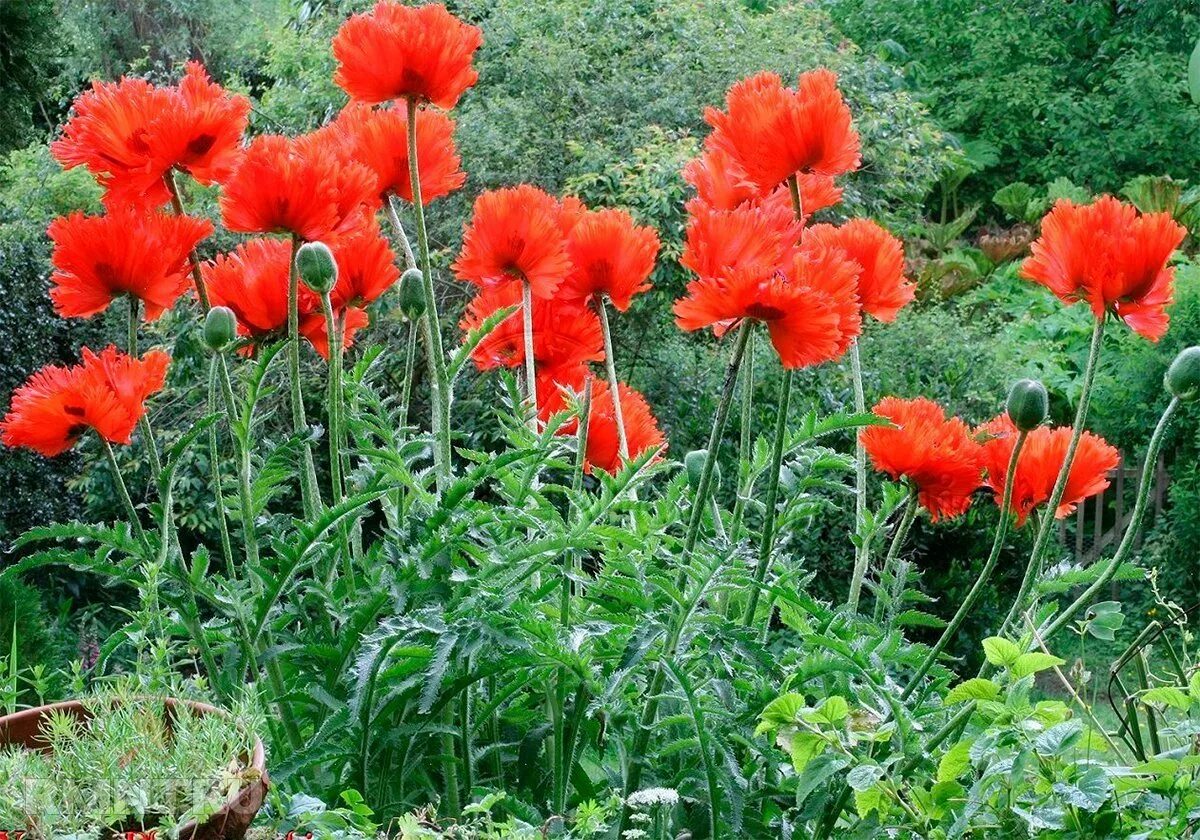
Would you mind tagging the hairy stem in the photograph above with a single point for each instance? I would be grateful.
(862, 552)
(767, 543)
(144, 421)
(610, 367)
(911, 506)
(745, 443)
(308, 471)
(193, 257)
(531, 405)
(245, 499)
(968, 603)
(123, 493)
(214, 459)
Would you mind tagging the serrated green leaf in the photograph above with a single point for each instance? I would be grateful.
(781, 711)
(1167, 695)
(975, 688)
(864, 776)
(1000, 651)
(955, 761)
(1033, 662)
(832, 710)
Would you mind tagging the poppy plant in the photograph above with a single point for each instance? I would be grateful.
(603, 436)
(937, 454)
(565, 334)
(301, 187)
(883, 289)
(746, 238)
(1111, 257)
(610, 256)
(1039, 464)
(774, 132)
(105, 393)
(124, 252)
(515, 234)
(722, 184)
(131, 134)
(253, 282)
(314, 329)
(378, 138)
(366, 267)
(420, 53)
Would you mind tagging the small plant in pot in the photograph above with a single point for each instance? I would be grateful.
(125, 761)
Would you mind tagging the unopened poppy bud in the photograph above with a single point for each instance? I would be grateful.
(412, 294)
(220, 328)
(1183, 376)
(693, 462)
(317, 268)
(1028, 404)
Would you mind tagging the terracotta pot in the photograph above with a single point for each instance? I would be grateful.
(229, 823)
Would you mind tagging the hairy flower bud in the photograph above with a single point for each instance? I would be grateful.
(220, 328)
(1028, 404)
(1183, 376)
(317, 268)
(412, 294)
(693, 462)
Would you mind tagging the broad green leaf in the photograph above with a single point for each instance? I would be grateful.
(975, 688)
(1000, 651)
(955, 761)
(1167, 695)
(832, 710)
(818, 771)
(1033, 662)
(781, 711)
(871, 799)
(1090, 792)
(1194, 686)
(864, 776)
(1105, 619)
(804, 747)
(1055, 740)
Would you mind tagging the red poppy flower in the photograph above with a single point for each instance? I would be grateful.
(99, 258)
(774, 132)
(405, 52)
(936, 453)
(312, 327)
(107, 393)
(515, 233)
(253, 282)
(882, 287)
(809, 304)
(554, 386)
(1107, 254)
(721, 184)
(366, 267)
(610, 255)
(570, 211)
(379, 139)
(303, 187)
(129, 134)
(565, 334)
(641, 428)
(1041, 461)
(745, 239)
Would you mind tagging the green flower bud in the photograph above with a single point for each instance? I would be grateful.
(412, 294)
(1028, 404)
(1183, 376)
(317, 268)
(220, 328)
(693, 462)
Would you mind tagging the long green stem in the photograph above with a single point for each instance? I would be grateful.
(123, 493)
(862, 552)
(968, 603)
(531, 405)
(1033, 568)
(245, 499)
(144, 421)
(766, 544)
(334, 393)
(610, 367)
(410, 363)
(214, 459)
(1130, 536)
(745, 443)
(439, 378)
(308, 471)
(193, 257)
(450, 758)
(911, 506)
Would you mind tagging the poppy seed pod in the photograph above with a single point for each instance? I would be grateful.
(1028, 404)
(412, 294)
(220, 328)
(1183, 376)
(693, 462)
(317, 268)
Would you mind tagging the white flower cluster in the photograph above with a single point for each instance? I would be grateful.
(653, 796)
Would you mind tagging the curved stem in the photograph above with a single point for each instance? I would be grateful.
(745, 444)
(410, 361)
(193, 257)
(308, 471)
(334, 394)
(214, 458)
(767, 543)
(610, 367)
(898, 538)
(439, 381)
(1130, 536)
(862, 552)
(245, 499)
(1046, 528)
(123, 493)
(143, 423)
(530, 373)
(988, 567)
